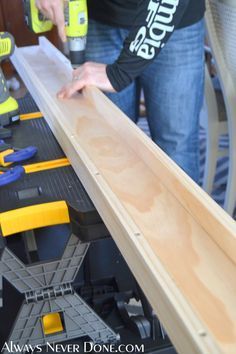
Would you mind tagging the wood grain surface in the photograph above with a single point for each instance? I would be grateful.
(179, 244)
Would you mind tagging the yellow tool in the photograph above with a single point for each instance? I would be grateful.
(76, 17)
(9, 110)
(76, 24)
(28, 116)
(34, 19)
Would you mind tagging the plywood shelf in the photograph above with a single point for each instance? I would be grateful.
(179, 244)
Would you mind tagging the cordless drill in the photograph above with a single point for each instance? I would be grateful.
(9, 109)
(76, 24)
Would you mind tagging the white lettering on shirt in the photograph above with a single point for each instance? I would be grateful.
(152, 35)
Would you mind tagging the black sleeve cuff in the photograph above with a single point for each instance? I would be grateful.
(118, 78)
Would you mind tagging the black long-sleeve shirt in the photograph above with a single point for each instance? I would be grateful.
(151, 23)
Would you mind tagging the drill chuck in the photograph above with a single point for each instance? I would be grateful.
(77, 50)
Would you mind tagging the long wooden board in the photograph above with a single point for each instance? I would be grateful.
(179, 244)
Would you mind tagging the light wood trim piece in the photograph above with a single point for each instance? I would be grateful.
(179, 244)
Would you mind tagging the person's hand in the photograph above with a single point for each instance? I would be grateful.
(54, 11)
(90, 73)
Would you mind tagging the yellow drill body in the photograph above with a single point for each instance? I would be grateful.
(9, 110)
(76, 18)
(76, 25)
(34, 19)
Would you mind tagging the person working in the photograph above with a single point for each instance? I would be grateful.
(158, 44)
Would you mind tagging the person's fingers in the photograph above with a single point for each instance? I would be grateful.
(62, 33)
(76, 73)
(38, 4)
(75, 85)
(49, 14)
(54, 11)
(45, 8)
(87, 74)
(69, 90)
(59, 21)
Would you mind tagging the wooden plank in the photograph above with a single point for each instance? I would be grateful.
(179, 244)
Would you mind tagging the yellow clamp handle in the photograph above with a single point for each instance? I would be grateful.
(3, 155)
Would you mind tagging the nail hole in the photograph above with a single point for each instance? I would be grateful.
(202, 333)
(137, 234)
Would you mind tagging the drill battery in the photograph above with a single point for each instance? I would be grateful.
(9, 110)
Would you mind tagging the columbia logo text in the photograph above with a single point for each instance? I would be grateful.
(152, 35)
